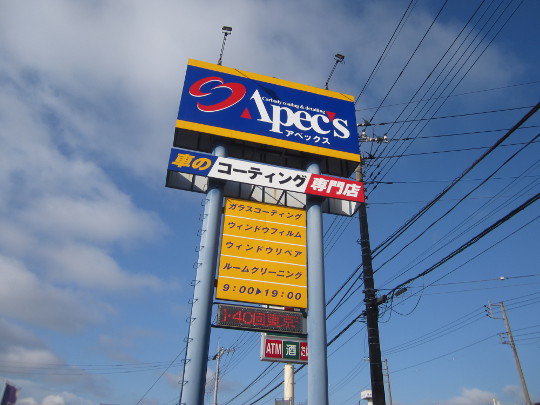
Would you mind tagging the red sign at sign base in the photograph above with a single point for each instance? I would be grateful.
(284, 349)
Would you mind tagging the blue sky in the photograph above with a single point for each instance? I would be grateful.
(96, 255)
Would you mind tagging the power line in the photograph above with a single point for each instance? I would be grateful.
(477, 289)
(460, 200)
(461, 133)
(345, 295)
(452, 116)
(389, 44)
(159, 378)
(442, 331)
(337, 336)
(262, 374)
(446, 181)
(410, 58)
(445, 354)
(25, 368)
(441, 71)
(469, 243)
(423, 210)
(423, 288)
(462, 65)
(436, 152)
(452, 95)
(502, 278)
(340, 302)
(443, 241)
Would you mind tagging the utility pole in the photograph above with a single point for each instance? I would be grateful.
(372, 309)
(514, 350)
(388, 381)
(220, 352)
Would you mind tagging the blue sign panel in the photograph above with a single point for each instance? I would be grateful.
(227, 102)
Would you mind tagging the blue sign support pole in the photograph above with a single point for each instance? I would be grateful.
(192, 391)
(316, 322)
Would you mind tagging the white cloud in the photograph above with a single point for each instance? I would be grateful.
(63, 398)
(107, 81)
(112, 84)
(515, 393)
(29, 359)
(44, 397)
(94, 219)
(55, 195)
(64, 196)
(24, 296)
(23, 352)
(53, 400)
(472, 396)
(90, 267)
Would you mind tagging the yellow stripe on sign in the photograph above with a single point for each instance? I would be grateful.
(258, 292)
(263, 250)
(266, 140)
(258, 270)
(260, 230)
(272, 80)
(274, 214)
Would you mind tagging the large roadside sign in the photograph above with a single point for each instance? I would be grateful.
(264, 175)
(245, 106)
(263, 255)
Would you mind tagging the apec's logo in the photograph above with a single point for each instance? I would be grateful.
(293, 119)
(237, 93)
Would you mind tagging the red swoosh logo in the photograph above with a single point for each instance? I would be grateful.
(238, 91)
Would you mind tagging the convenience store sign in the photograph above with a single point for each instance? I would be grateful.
(283, 349)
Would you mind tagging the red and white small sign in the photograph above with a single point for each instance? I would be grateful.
(284, 349)
(335, 187)
(273, 348)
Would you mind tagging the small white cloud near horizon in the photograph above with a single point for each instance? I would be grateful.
(63, 398)
(472, 396)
